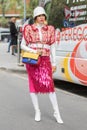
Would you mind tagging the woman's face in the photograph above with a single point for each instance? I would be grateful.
(40, 19)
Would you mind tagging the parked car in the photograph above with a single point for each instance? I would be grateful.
(4, 34)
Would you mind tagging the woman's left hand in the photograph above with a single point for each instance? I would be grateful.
(54, 68)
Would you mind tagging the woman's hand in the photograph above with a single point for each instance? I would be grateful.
(39, 52)
(54, 69)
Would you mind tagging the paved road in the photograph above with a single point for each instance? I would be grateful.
(17, 113)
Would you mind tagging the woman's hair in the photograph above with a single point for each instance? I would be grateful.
(38, 15)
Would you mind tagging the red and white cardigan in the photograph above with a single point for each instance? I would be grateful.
(39, 37)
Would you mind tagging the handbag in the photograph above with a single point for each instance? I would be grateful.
(30, 58)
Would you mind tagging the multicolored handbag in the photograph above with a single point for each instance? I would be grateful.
(30, 58)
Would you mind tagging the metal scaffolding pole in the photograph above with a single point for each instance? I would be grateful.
(24, 10)
(24, 1)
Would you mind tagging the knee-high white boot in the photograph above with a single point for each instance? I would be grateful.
(36, 106)
(53, 100)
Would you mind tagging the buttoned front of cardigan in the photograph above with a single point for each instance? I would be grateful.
(31, 34)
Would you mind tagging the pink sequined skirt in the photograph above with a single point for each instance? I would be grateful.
(40, 76)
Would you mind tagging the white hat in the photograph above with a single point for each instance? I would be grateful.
(38, 11)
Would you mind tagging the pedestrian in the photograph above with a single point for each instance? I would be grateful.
(40, 37)
(9, 44)
(14, 34)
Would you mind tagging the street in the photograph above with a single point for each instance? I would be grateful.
(17, 113)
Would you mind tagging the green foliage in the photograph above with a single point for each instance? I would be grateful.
(29, 8)
(32, 5)
(4, 22)
(5, 5)
(56, 13)
(47, 8)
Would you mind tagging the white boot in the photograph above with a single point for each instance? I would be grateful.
(53, 100)
(58, 118)
(37, 115)
(36, 106)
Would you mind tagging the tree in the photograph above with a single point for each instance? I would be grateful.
(4, 22)
(47, 8)
(32, 5)
(56, 14)
(5, 5)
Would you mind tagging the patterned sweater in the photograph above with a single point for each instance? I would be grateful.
(39, 37)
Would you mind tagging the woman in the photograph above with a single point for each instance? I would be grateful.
(39, 37)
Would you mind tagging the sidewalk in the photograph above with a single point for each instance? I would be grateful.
(9, 62)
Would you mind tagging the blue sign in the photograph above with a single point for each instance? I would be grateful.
(72, 24)
(65, 23)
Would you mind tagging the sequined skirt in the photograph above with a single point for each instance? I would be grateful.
(40, 76)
